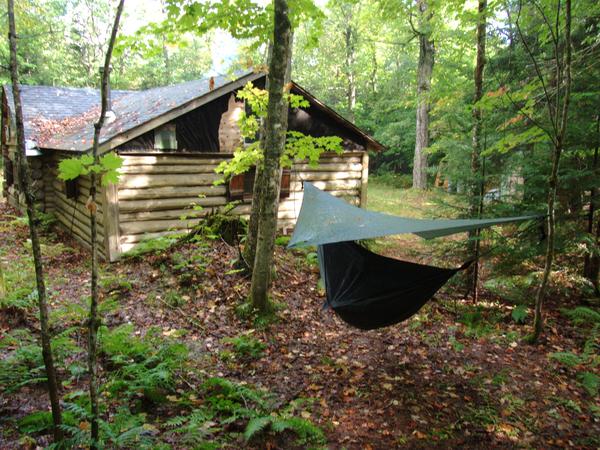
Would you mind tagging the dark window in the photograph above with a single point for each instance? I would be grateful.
(72, 189)
(9, 172)
(241, 186)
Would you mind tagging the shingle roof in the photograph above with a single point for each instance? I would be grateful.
(54, 103)
(48, 106)
(63, 118)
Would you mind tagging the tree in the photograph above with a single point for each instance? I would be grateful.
(557, 105)
(477, 183)
(275, 134)
(25, 187)
(424, 75)
(94, 321)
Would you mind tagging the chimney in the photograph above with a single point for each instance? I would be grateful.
(110, 114)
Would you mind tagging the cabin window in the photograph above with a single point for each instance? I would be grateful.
(72, 189)
(165, 137)
(241, 187)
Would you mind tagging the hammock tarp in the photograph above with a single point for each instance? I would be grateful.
(365, 289)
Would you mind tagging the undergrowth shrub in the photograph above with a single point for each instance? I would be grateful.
(583, 364)
(246, 346)
(24, 365)
(144, 368)
(230, 406)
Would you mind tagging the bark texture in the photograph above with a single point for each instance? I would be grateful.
(25, 187)
(94, 320)
(424, 74)
(477, 186)
(275, 135)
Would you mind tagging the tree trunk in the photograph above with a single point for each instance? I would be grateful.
(250, 246)
(560, 123)
(477, 182)
(275, 134)
(94, 320)
(591, 264)
(424, 73)
(25, 187)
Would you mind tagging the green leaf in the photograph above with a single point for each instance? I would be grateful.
(69, 169)
(111, 161)
(519, 314)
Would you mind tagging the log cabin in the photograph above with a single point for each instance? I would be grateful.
(171, 140)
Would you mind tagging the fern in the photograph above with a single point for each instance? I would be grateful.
(590, 382)
(255, 426)
(582, 315)
(567, 358)
(306, 431)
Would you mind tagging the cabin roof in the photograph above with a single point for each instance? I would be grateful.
(61, 118)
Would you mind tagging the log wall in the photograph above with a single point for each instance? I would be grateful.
(72, 214)
(155, 192)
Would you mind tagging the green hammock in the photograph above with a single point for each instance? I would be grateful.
(365, 289)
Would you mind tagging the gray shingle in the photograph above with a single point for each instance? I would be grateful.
(132, 109)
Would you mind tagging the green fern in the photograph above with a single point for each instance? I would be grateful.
(256, 425)
(582, 315)
(590, 382)
(568, 359)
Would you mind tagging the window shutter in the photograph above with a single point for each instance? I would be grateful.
(235, 189)
(286, 176)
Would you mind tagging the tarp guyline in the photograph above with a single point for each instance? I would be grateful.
(365, 289)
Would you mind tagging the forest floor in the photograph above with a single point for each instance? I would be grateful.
(184, 364)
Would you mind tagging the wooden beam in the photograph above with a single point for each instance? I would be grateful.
(171, 192)
(143, 181)
(170, 159)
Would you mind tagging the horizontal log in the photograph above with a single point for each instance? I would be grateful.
(142, 181)
(135, 238)
(159, 215)
(84, 193)
(326, 176)
(330, 185)
(325, 166)
(168, 169)
(75, 215)
(137, 206)
(76, 227)
(153, 226)
(79, 204)
(171, 192)
(347, 158)
(174, 160)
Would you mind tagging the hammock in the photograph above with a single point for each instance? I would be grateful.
(365, 289)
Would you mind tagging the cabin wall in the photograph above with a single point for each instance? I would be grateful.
(156, 191)
(71, 213)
